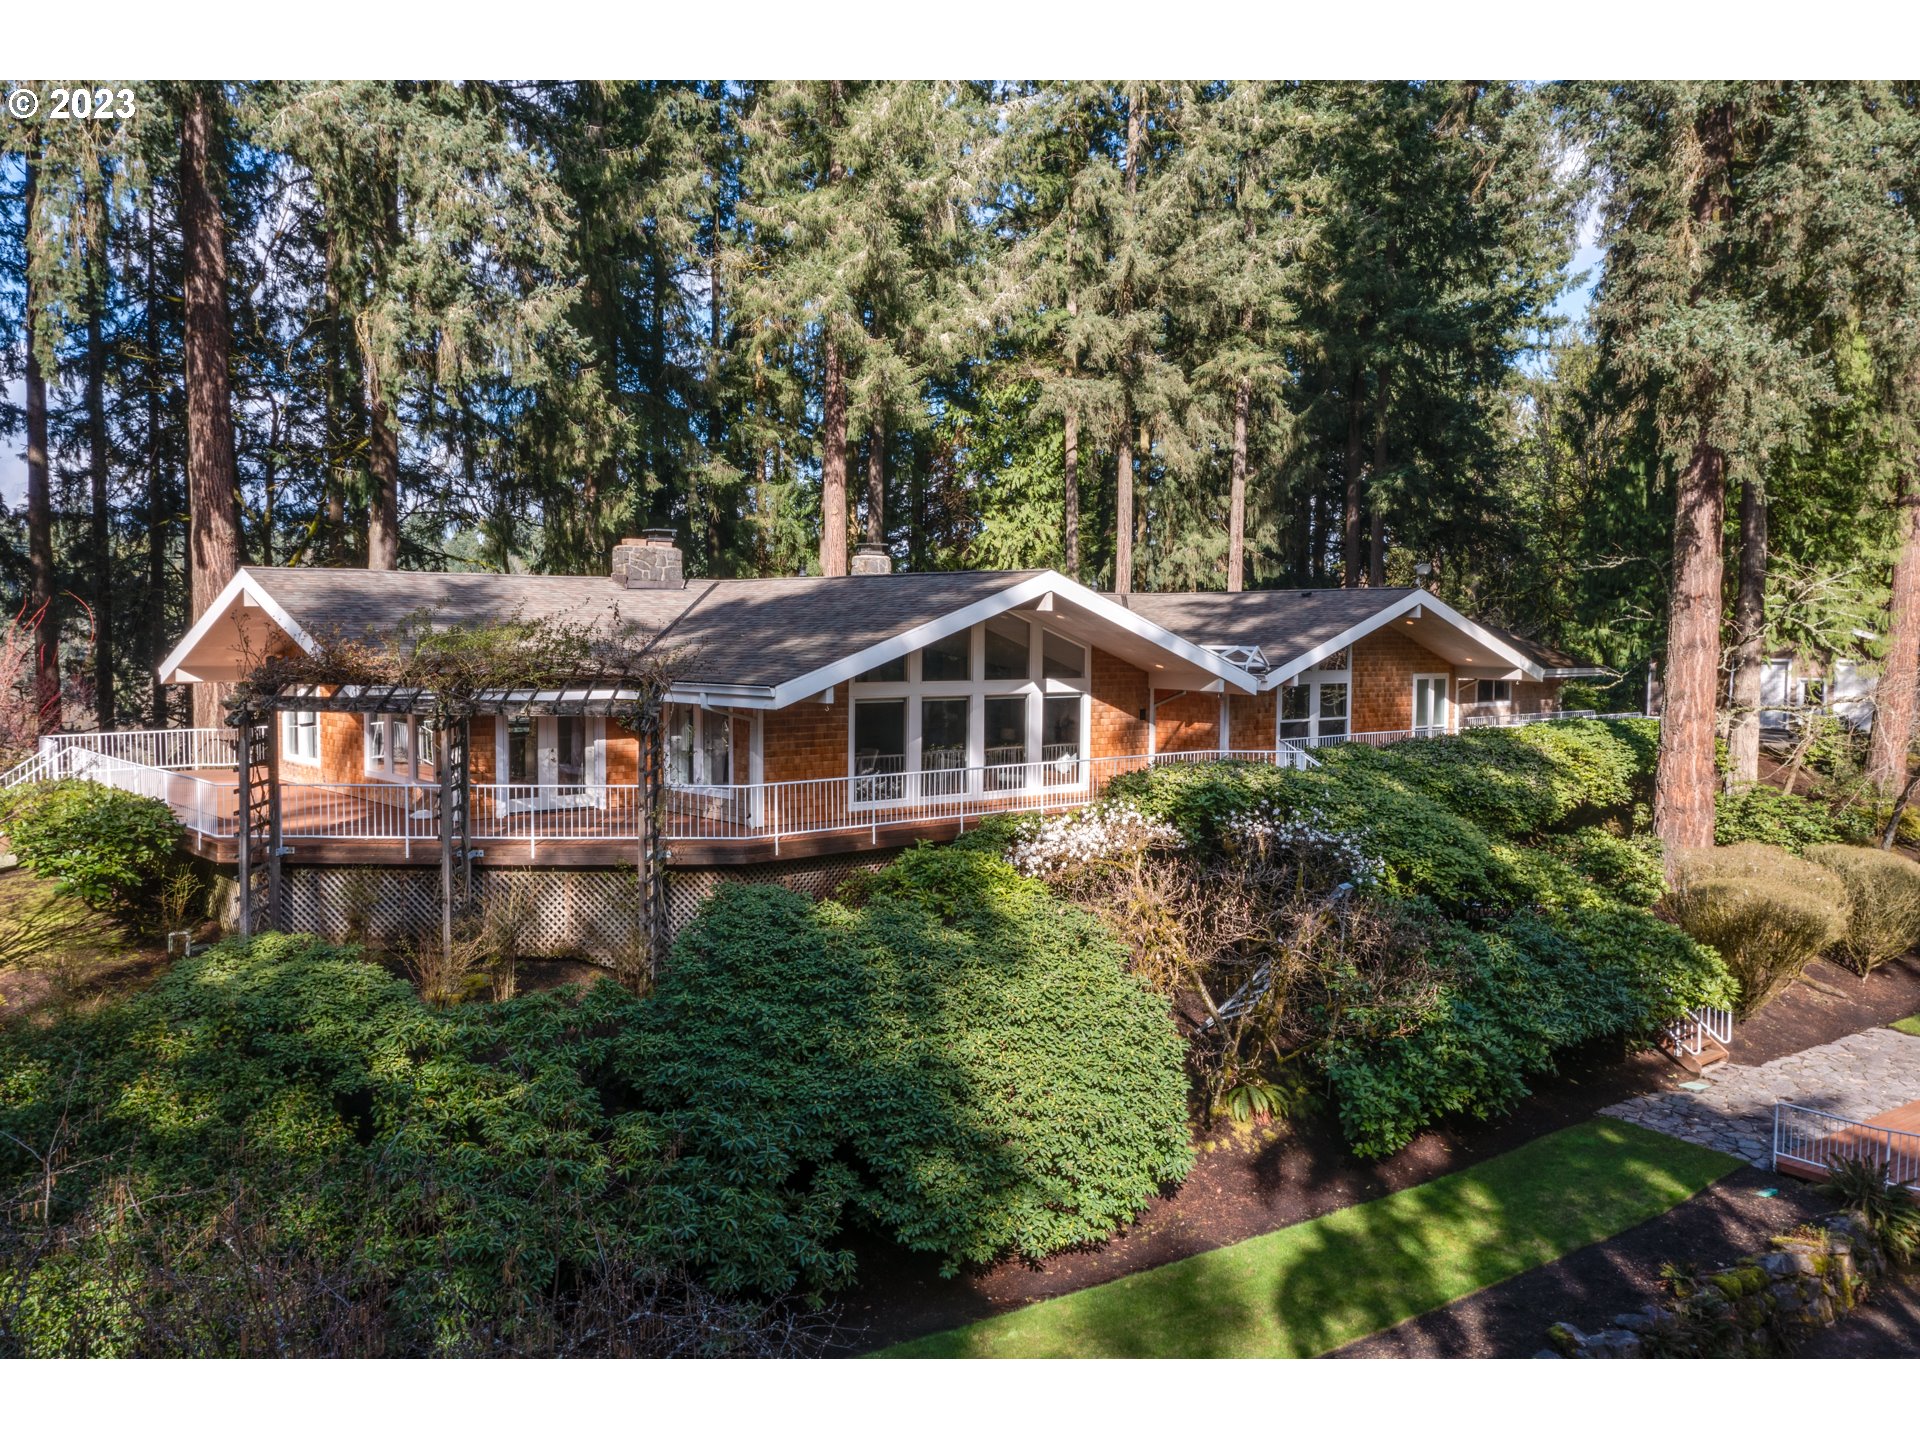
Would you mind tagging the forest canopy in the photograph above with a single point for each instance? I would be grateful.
(1158, 335)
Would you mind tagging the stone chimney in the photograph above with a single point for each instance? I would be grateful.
(651, 562)
(872, 559)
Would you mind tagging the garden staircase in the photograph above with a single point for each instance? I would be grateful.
(1698, 1040)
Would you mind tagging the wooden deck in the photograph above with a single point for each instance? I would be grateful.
(1904, 1145)
(574, 854)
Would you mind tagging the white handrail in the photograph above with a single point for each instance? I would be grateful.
(1815, 1138)
(887, 796)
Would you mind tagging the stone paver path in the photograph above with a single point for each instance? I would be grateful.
(1857, 1077)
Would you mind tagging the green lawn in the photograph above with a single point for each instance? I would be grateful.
(1908, 1026)
(1315, 1286)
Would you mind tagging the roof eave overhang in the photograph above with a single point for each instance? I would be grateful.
(1226, 675)
(243, 588)
(1417, 599)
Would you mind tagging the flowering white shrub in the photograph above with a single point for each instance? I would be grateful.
(1268, 827)
(1104, 831)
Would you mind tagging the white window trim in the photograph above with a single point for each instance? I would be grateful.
(977, 690)
(1443, 691)
(1313, 680)
(290, 733)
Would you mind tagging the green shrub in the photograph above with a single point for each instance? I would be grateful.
(1633, 871)
(1515, 997)
(1519, 782)
(1883, 895)
(113, 850)
(962, 1064)
(1430, 811)
(323, 1165)
(1425, 848)
(1531, 932)
(1765, 816)
(1765, 911)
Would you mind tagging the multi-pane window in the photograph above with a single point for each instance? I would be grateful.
(998, 706)
(1332, 709)
(1060, 728)
(399, 747)
(1007, 642)
(946, 658)
(1296, 711)
(1061, 659)
(879, 749)
(1492, 692)
(1317, 706)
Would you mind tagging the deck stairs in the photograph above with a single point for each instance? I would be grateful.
(1698, 1040)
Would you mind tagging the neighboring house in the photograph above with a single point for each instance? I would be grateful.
(813, 716)
(1793, 686)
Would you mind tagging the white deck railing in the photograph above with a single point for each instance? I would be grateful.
(888, 796)
(1816, 1139)
(1695, 1027)
(207, 807)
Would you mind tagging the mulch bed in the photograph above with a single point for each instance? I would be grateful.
(1236, 1193)
(1887, 1327)
(1588, 1288)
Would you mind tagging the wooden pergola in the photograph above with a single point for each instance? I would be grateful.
(630, 700)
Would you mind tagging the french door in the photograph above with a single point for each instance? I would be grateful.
(551, 751)
(1430, 715)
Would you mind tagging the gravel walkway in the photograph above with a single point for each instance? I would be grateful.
(1856, 1077)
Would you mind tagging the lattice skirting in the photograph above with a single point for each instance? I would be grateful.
(689, 889)
(589, 914)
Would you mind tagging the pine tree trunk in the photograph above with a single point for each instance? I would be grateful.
(877, 484)
(1299, 539)
(1237, 489)
(158, 524)
(342, 410)
(40, 575)
(1376, 488)
(100, 530)
(1123, 507)
(1894, 699)
(383, 440)
(213, 541)
(833, 460)
(1683, 785)
(1070, 493)
(1352, 555)
(718, 539)
(1683, 782)
(1749, 637)
(383, 455)
(1123, 459)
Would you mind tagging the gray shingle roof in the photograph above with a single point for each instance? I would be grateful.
(732, 632)
(767, 632)
(1283, 623)
(1546, 656)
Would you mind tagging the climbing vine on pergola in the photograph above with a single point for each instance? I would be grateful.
(450, 673)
